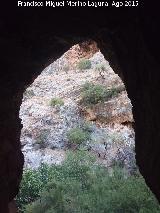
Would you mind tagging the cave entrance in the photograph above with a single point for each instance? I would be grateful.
(77, 105)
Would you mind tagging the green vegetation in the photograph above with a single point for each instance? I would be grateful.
(94, 93)
(78, 136)
(87, 127)
(31, 185)
(84, 64)
(100, 67)
(56, 102)
(80, 185)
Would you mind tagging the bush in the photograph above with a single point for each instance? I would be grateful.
(77, 136)
(32, 184)
(112, 92)
(79, 185)
(84, 64)
(56, 102)
(94, 93)
(34, 181)
(87, 127)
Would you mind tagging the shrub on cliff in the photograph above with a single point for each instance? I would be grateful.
(84, 64)
(94, 93)
(77, 136)
(56, 102)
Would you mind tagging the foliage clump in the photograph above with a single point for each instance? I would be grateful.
(94, 93)
(56, 102)
(77, 136)
(80, 185)
(31, 186)
(84, 64)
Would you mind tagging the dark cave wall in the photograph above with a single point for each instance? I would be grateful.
(137, 66)
(32, 39)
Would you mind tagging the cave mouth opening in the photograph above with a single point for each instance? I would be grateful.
(77, 130)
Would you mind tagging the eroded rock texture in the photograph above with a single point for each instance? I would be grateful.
(30, 39)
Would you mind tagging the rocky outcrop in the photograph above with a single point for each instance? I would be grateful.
(85, 49)
(118, 109)
(115, 111)
(45, 127)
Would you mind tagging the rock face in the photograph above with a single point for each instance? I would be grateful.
(32, 39)
(45, 127)
(115, 111)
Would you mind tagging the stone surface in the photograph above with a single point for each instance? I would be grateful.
(45, 127)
